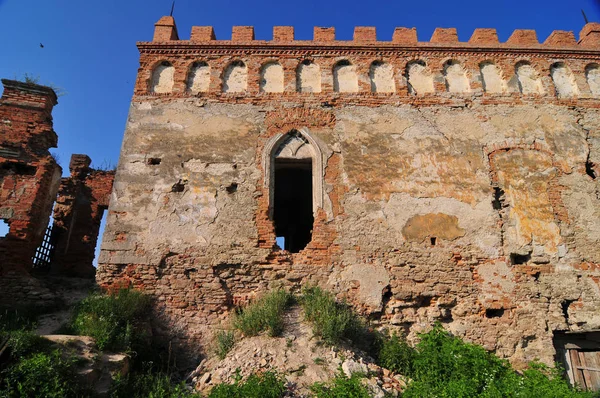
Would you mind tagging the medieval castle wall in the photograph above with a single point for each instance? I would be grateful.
(448, 181)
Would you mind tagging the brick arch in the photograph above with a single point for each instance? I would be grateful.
(268, 156)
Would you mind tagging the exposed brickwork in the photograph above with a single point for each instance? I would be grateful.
(464, 196)
(29, 181)
(82, 199)
(28, 173)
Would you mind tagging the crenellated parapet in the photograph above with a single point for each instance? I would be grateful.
(370, 71)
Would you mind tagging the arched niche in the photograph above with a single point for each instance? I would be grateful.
(381, 75)
(592, 75)
(456, 77)
(162, 78)
(235, 78)
(419, 78)
(198, 80)
(308, 77)
(271, 78)
(563, 80)
(345, 79)
(529, 81)
(491, 78)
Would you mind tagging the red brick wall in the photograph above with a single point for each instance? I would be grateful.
(28, 173)
(81, 201)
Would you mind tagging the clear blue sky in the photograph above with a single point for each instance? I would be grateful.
(89, 46)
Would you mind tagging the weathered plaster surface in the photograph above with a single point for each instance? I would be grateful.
(193, 230)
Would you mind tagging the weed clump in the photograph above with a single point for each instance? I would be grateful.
(342, 386)
(265, 314)
(332, 321)
(225, 340)
(149, 385)
(43, 374)
(395, 354)
(112, 319)
(266, 385)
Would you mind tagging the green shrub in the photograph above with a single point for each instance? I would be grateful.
(265, 314)
(23, 342)
(396, 355)
(149, 385)
(225, 341)
(266, 385)
(342, 387)
(46, 375)
(112, 319)
(331, 320)
(541, 381)
(445, 366)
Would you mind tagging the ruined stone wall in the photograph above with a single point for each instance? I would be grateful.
(29, 178)
(81, 201)
(462, 190)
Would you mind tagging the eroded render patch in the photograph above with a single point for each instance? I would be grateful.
(433, 225)
(525, 177)
(371, 281)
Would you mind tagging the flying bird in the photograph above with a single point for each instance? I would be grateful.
(41, 45)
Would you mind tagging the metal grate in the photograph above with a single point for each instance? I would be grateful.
(43, 254)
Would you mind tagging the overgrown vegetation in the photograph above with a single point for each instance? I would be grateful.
(34, 368)
(266, 385)
(266, 314)
(442, 365)
(149, 384)
(113, 320)
(342, 387)
(395, 354)
(225, 340)
(43, 374)
(332, 321)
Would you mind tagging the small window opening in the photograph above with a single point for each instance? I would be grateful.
(232, 187)
(589, 169)
(293, 206)
(280, 240)
(518, 259)
(433, 240)
(494, 312)
(154, 161)
(178, 186)
(4, 228)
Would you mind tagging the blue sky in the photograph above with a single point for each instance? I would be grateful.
(89, 46)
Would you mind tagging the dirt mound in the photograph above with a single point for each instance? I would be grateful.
(302, 358)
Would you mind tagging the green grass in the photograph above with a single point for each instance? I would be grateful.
(266, 385)
(342, 387)
(149, 385)
(266, 314)
(112, 319)
(43, 374)
(225, 340)
(332, 321)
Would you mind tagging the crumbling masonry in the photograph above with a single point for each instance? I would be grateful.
(30, 180)
(422, 181)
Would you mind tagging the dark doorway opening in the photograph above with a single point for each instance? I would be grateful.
(293, 205)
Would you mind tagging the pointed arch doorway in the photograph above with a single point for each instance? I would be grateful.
(293, 176)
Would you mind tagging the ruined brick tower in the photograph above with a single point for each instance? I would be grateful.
(422, 181)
